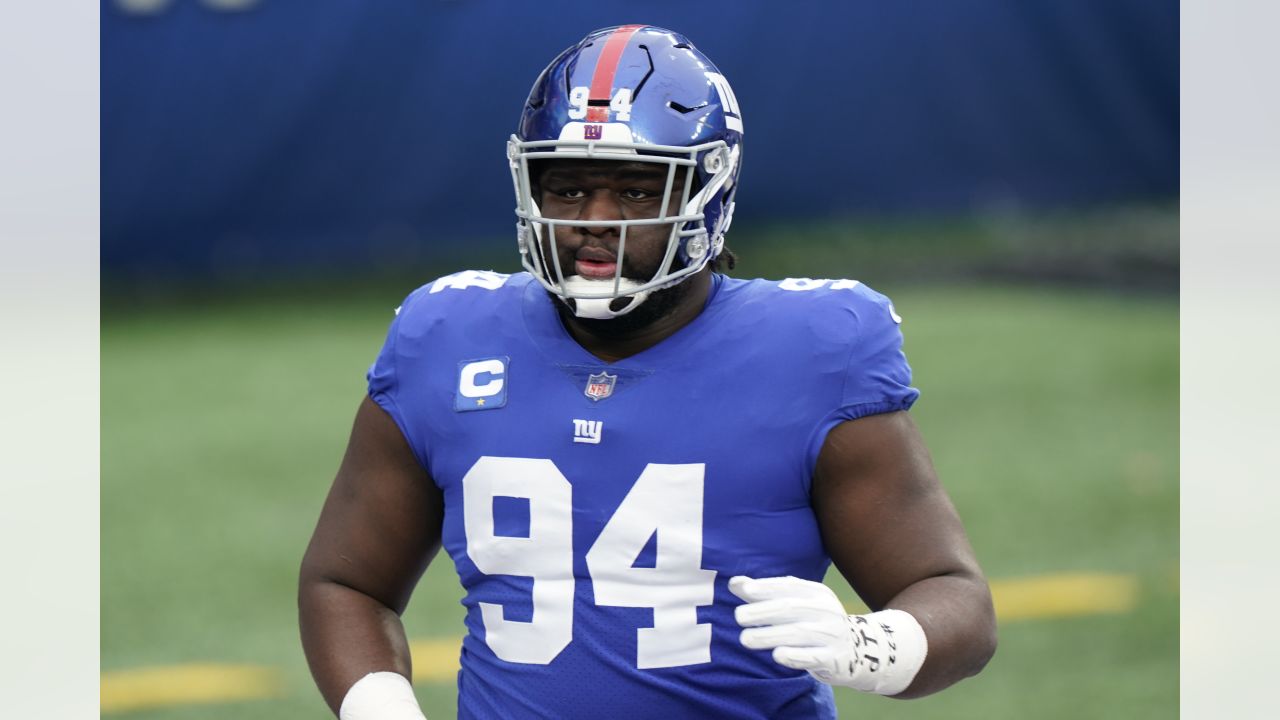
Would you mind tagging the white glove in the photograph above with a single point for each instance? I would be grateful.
(808, 629)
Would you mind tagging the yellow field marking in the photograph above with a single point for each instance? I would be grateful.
(1064, 595)
(435, 660)
(194, 684)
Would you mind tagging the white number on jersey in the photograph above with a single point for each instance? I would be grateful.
(666, 500)
(799, 284)
(486, 279)
(546, 555)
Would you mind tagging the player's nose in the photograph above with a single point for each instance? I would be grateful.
(601, 205)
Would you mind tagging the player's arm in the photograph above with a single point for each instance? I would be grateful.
(893, 533)
(379, 529)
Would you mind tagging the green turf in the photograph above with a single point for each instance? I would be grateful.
(1052, 417)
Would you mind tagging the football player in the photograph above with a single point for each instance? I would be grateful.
(640, 467)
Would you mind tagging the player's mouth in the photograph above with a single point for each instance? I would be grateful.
(595, 264)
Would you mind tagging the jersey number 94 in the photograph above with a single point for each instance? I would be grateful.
(666, 499)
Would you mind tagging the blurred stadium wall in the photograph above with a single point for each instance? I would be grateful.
(264, 139)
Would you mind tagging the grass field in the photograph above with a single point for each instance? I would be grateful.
(1052, 417)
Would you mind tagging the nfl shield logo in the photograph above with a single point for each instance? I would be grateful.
(593, 132)
(600, 386)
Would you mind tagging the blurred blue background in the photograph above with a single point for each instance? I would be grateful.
(247, 139)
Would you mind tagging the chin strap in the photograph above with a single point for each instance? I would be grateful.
(601, 308)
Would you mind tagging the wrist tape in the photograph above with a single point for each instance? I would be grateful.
(380, 696)
(889, 647)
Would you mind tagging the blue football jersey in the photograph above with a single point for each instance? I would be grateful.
(596, 511)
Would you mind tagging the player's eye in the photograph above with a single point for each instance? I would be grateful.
(637, 194)
(571, 193)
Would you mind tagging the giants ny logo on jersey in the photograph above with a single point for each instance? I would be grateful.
(587, 431)
(482, 384)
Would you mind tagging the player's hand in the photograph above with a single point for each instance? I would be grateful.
(802, 621)
(807, 628)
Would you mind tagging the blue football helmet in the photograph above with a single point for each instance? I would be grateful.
(630, 93)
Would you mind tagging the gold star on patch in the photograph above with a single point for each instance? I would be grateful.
(480, 402)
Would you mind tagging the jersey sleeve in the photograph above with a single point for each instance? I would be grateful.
(384, 380)
(877, 378)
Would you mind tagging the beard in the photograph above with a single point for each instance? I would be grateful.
(657, 305)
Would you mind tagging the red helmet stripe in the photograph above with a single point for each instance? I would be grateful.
(606, 68)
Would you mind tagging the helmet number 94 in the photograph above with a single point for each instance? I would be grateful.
(620, 105)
